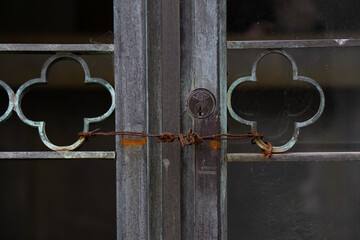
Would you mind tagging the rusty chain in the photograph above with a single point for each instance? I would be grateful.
(190, 138)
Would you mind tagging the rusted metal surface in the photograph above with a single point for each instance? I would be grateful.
(131, 80)
(297, 125)
(204, 44)
(106, 49)
(15, 100)
(106, 155)
(188, 139)
(295, 157)
(282, 44)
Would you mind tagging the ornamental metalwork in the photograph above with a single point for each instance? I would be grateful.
(297, 125)
(16, 99)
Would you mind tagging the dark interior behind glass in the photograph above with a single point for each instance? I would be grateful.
(295, 200)
(56, 199)
(292, 19)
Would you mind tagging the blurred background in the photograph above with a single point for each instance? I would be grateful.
(295, 200)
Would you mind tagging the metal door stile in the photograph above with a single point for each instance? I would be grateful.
(130, 64)
(171, 118)
(164, 116)
(204, 66)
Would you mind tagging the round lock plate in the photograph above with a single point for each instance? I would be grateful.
(201, 103)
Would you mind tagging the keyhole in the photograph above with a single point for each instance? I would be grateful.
(200, 112)
(201, 103)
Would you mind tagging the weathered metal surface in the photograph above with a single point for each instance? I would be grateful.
(56, 48)
(297, 125)
(170, 37)
(187, 154)
(204, 43)
(11, 103)
(108, 155)
(164, 115)
(16, 101)
(155, 92)
(201, 103)
(281, 44)
(295, 157)
(130, 63)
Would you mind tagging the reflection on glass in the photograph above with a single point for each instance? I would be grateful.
(292, 19)
(294, 200)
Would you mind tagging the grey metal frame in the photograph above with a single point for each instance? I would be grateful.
(296, 157)
(284, 44)
(93, 49)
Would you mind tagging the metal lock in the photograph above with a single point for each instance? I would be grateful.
(201, 103)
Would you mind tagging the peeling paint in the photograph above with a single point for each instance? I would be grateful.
(215, 144)
(128, 142)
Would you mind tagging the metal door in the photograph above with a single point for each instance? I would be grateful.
(164, 51)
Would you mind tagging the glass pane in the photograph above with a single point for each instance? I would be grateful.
(57, 199)
(294, 200)
(292, 19)
(66, 21)
(275, 101)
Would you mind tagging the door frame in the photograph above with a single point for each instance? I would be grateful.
(163, 51)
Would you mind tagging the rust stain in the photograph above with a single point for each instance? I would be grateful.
(215, 144)
(127, 142)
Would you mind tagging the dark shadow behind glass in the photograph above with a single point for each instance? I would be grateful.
(295, 200)
(66, 21)
(56, 199)
(291, 19)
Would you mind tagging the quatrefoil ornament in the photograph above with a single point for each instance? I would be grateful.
(43, 80)
(297, 125)
(11, 96)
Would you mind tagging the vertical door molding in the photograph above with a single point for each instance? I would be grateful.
(130, 64)
(147, 75)
(164, 116)
(203, 59)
